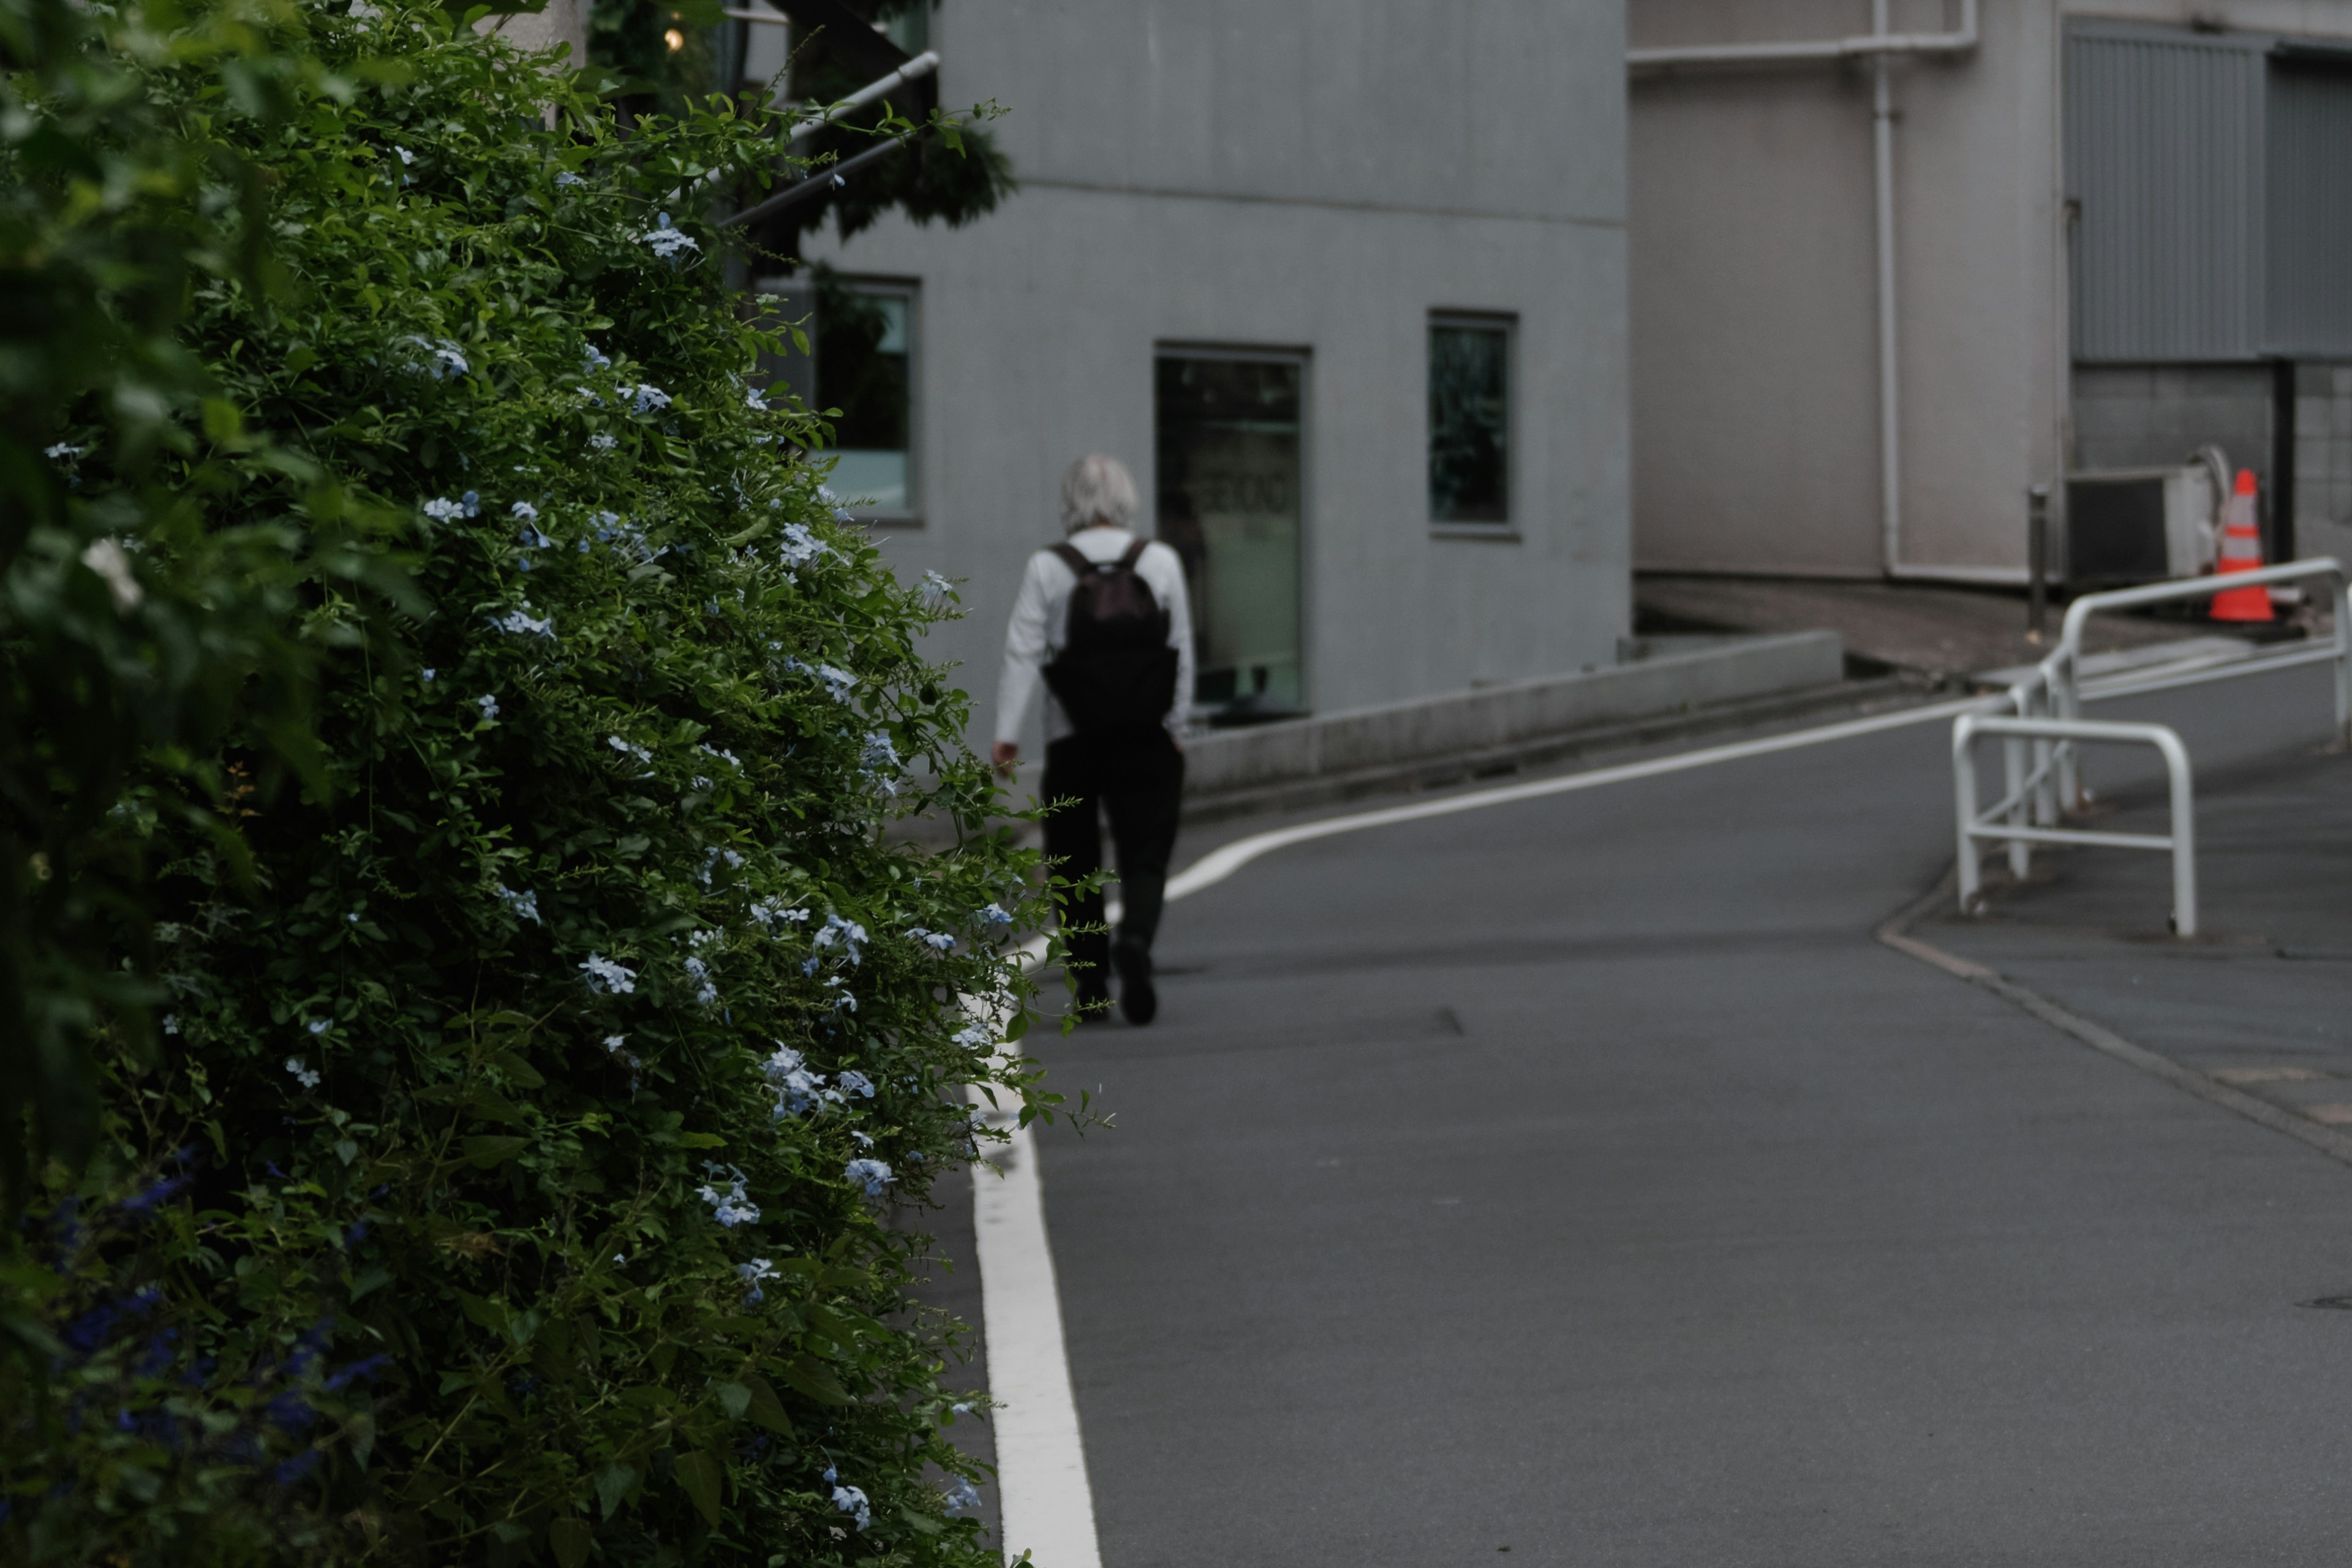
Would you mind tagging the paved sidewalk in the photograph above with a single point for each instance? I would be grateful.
(2263, 1000)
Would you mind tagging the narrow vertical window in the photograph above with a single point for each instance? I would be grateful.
(865, 369)
(1469, 420)
(861, 363)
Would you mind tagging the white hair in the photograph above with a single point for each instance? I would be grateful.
(1097, 489)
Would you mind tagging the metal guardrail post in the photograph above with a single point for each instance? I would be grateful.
(2037, 560)
(1969, 826)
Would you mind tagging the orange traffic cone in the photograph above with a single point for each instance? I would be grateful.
(2242, 550)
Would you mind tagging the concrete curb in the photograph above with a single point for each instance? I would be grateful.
(1897, 933)
(1461, 734)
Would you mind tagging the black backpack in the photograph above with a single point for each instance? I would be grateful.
(1116, 675)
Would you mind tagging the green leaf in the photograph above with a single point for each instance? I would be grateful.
(520, 1071)
(612, 1484)
(817, 1380)
(369, 1279)
(700, 1477)
(486, 1151)
(735, 1399)
(700, 1140)
(571, 1541)
(766, 1408)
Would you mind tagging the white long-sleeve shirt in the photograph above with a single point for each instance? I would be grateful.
(1041, 621)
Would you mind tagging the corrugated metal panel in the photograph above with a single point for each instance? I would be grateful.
(2310, 264)
(2164, 155)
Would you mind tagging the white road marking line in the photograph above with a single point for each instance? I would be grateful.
(1223, 861)
(1046, 1504)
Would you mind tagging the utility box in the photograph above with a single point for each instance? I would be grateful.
(2140, 525)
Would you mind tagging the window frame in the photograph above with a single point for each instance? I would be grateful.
(1506, 527)
(797, 292)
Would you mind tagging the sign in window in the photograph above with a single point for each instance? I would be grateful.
(1228, 437)
(1469, 421)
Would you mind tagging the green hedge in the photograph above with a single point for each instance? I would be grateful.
(514, 1183)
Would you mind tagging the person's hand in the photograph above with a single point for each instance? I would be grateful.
(1005, 754)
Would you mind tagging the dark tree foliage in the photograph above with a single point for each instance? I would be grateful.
(541, 1066)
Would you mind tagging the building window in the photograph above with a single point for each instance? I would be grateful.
(1469, 420)
(1229, 430)
(861, 339)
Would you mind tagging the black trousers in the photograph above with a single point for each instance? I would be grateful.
(1140, 784)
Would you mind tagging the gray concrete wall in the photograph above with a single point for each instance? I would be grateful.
(1754, 332)
(1473, 722)
(1312, 175)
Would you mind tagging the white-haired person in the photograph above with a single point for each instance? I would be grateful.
(1102, 621)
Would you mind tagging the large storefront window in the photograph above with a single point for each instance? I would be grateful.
(1229, 430)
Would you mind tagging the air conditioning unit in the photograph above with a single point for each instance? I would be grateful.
(2143, 525)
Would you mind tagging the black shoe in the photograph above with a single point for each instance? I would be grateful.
(1137, 999)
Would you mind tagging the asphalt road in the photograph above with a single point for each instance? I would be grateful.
(1577, 1178)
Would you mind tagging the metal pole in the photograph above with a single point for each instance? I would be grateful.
(2037, 561)
(2184, 834)
(1964, 806)
(2343, 606)
(2013, 757)
(1890, 366)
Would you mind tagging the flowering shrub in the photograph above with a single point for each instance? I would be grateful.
(512, 1184)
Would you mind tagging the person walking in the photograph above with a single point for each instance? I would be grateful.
(1103, 623)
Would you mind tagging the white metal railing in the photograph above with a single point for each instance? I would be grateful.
(1973, 825)
(2060, 676)
(2042, 771)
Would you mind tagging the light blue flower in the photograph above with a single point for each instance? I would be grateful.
(852, 1082)
(428, 675)
(799, 546)
(61, 452)
(525, 511)
(603, 974)
(443, 510)
(472, 501)
(731, 1208)
(796, 1088)
(301, 1071)
(753, 1272)
(406, 157)
(489, 707)
(567, 179)
(522, 906)
(994, 915)
(521, 622)
(872, 1174)
(602, 443)
(668, 243)
(593, 358)
(941, 941)
(317, 1025)
(627, 750)
(960, 1495)
(646, 399)
(937, 590)
(851, 1500)
(973, 1038)
(849, 933)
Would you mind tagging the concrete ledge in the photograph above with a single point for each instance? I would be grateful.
(1503, 718)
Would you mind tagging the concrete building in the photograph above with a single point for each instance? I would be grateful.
(1343, 281)
(1871, 306)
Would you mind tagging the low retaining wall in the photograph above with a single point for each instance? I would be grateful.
(1226, 762)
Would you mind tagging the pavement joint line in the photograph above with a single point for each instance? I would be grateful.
(1896, 933)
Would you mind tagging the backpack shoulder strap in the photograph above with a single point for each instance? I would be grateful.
(1074, 558)
(1134, 552)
